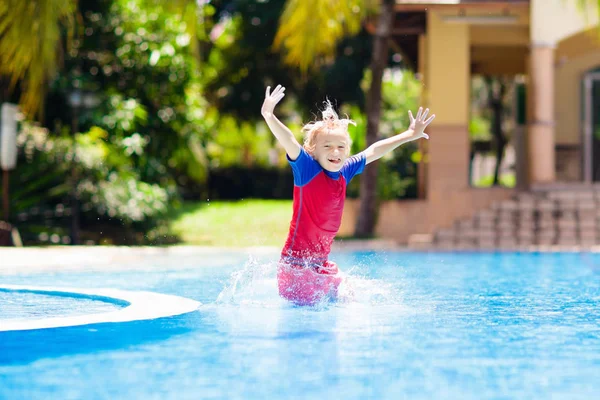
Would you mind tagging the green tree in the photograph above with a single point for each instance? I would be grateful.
(138, 58)
(36, 36)
(242, 60)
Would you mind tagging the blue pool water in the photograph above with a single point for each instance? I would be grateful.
(30, 306)
(463, 326)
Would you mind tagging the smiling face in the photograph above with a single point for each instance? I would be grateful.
(332, 149)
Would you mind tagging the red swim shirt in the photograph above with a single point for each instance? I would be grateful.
(318, 205)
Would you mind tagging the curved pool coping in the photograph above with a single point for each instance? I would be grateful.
(138, 306)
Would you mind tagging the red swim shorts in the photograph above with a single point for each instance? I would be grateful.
(308, 285)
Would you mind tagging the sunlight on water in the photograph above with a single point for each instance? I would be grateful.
(31, 306)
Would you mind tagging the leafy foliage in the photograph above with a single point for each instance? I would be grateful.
(397, 176)
(109, 182)
(39, 179)
(141, 59)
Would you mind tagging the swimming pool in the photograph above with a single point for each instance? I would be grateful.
(30, 306)
(431, 325)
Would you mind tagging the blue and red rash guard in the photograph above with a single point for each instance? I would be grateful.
(318, 205)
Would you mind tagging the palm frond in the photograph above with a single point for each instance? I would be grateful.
(30, 36)
(309, 30)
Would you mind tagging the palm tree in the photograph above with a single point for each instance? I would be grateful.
(31, 44)
(309, 31)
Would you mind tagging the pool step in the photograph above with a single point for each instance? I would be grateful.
(554, 217)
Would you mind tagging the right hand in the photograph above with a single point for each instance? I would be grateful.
(271, 100)
(418, 124)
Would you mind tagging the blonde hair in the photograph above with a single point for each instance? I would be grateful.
(330, 122)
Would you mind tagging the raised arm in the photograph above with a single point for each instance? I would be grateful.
(415, 131)
(284, 136)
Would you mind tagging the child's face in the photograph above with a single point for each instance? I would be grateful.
(332, 149)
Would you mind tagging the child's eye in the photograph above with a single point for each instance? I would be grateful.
(341, 147)
(327, 146)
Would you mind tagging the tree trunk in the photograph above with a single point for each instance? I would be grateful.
(497, 91)
(367, 215)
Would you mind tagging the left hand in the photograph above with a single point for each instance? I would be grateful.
(418, 124)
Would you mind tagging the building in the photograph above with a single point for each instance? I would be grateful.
(554, 44)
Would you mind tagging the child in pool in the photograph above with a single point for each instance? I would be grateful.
(322, 168)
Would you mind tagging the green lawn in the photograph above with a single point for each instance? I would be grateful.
(233, 224)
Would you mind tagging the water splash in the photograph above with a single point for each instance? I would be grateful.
(256, 285)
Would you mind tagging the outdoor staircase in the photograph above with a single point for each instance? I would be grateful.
(547, 217)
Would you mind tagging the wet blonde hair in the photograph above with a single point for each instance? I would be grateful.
(330, 122)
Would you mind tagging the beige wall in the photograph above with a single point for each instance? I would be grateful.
(574, 57)
(510, 35)
(499, 60)
(447, 78)
(445, 65)
(553, 20)
(499, 50)
(448, 70)
(398, 220)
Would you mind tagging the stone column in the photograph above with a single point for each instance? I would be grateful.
(448, 79)
(422, 172)
(540, 136)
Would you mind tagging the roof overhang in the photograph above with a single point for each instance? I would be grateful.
(407, 5)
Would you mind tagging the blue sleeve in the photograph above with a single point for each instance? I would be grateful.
(353, 166)
(304, 168)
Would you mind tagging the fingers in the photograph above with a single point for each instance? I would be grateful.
(411, 116)
(425, 136)
(277, 99)
(428, 121)
(276, 92)
(422, 116)
(279, 89)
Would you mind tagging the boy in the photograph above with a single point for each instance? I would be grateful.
(322, 169)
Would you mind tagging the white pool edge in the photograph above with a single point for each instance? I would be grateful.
(142, 306)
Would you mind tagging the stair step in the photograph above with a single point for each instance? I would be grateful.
(548, 215)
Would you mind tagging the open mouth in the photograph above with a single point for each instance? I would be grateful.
(334, 160)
